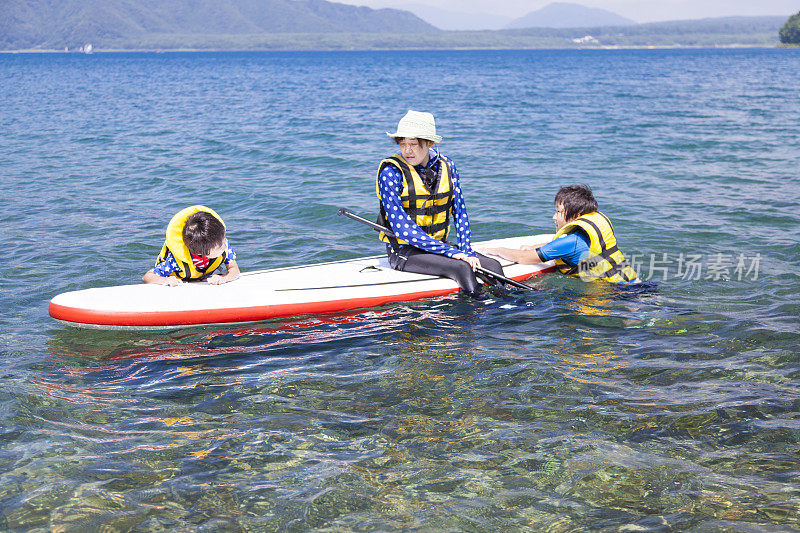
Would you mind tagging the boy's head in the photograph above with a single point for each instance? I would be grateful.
(204, 234)
(572, 202)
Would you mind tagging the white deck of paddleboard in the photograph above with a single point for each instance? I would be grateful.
(303, 288)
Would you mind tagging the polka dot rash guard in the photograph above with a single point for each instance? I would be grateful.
(390, 184)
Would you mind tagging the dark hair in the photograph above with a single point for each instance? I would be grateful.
(203, 232)
(419, 140)
(577, 199)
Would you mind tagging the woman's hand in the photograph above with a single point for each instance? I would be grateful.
(474, 262)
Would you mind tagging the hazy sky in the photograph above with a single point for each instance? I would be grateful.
(638, 10)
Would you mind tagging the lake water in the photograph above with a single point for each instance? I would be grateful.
(673, 406)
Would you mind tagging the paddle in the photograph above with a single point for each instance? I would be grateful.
(387, 231)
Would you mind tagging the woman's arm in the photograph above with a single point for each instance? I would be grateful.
(460, 216)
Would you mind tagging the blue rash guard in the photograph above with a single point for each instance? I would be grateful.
(390, 184)
(571, 248)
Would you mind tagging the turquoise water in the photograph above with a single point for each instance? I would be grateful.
(673, 406)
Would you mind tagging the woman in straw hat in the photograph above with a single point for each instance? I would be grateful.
(420, 194)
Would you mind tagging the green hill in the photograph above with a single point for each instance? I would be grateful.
(724, 31)
(318, 24)
(728, 31)
(54, 24)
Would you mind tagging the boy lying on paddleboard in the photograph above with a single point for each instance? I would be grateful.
(584, 244)
(194, 249)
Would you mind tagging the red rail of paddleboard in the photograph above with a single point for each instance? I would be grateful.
(195, 317)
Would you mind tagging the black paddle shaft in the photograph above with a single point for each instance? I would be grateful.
(387, 231)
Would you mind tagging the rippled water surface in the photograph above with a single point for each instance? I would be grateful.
(671, 406)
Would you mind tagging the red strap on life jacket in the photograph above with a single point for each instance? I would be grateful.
(200, 261)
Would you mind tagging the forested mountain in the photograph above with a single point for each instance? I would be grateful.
(317, 24)
(726, 31)
(566, 15)
(118, 23)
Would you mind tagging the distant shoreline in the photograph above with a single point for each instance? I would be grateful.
(421, 49)
(724, 32)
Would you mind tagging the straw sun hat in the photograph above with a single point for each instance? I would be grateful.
(417, 124)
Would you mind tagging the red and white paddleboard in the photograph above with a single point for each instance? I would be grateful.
(261, 295)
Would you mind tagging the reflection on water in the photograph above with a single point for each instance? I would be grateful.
(520, 412)
(574, 407)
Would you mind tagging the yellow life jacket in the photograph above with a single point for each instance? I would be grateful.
(430, 210)
(183, 256)
(605, 261)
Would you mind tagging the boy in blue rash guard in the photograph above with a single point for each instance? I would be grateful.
(584, 244)
(420, 193)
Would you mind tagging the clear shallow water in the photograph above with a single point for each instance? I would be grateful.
(673, 406)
